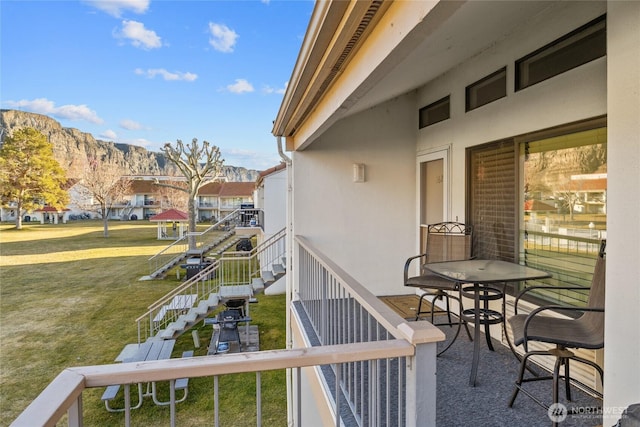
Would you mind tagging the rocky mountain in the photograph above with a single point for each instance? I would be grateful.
(72, 148)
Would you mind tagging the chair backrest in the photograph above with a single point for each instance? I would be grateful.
(449, 241)
(595, 320)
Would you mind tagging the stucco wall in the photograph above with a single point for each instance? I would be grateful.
(622, 322)
(275, 202)
(362, 226)
(575, 95)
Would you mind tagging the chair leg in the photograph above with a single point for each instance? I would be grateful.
(556, 378)
(446, 296)
(419, 311)
(523, 364)
(433, 304)
(521, 379)
(567, 380)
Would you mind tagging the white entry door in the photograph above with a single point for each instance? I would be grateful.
(433, 188)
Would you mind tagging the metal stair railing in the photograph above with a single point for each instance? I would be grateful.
(160, 314)
(178, 250)
(239, 267)
(232, 269)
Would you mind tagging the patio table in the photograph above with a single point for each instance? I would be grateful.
(478, 279)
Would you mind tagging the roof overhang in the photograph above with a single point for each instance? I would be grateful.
(356, 55)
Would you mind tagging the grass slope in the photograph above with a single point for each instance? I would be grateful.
(70, 297)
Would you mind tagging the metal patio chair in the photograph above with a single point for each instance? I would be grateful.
(585, 331)
(446, 241)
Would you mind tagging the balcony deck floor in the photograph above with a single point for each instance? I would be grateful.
(486, 404)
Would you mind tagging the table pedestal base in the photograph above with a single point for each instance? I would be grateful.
(481, 316)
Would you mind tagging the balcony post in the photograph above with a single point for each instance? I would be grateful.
(75, 413)
(421, 373)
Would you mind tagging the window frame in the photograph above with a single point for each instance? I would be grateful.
(559, 47)
(424, 112)
(474, 88)
(517, 174)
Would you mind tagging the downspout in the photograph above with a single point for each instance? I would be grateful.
(289, 279)
(284, 157)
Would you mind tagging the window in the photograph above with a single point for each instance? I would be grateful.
(583, 45)
(434, 113)
(492, 184)
(540, 199)
(486, 90)
(564, 193)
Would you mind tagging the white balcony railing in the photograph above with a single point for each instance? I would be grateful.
(378, 368)
(332, 308)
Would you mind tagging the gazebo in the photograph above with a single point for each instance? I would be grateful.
(172, 224)
(51, 214)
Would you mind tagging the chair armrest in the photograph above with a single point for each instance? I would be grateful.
(407, 263)
(539, 310)
(531, 288)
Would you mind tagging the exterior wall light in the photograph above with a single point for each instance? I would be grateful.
(358, 172)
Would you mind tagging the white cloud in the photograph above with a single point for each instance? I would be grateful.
(269, 90)
(109, 134)
(167, 75)
(222, 38)
(68, 112)
(240, 86)
(130, 125)
(141, 142)
(250, 159)
(138, 35)
(116, 7)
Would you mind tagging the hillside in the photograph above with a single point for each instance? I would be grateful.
(72, 147)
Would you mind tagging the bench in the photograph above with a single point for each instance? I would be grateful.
(183, 383)
(111, 392)
(180, 384)
(149, 350)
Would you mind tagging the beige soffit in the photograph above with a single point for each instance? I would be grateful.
(335, 32)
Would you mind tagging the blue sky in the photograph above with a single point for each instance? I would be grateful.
(150, 72)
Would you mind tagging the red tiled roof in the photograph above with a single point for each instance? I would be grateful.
(537, 205)
(223, 189)
(269, 171)
(210, 189)
(170, 215)
(143, 186)
(599, 184)
(230, 189)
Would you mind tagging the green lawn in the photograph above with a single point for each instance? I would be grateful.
(70, 297)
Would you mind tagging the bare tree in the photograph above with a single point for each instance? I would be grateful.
(174, 197)
(568, 196)
(200, 164)
(106, 186)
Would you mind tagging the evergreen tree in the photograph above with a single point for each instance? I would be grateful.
(30, 177)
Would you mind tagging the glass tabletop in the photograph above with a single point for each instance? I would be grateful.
(484, 271)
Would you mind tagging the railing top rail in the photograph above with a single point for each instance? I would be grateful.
(65, 389)
(53, 402)
(261, 247)
(180, 241)
(415, 332)
(206, 272)
(184, 238)
(180, 289)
